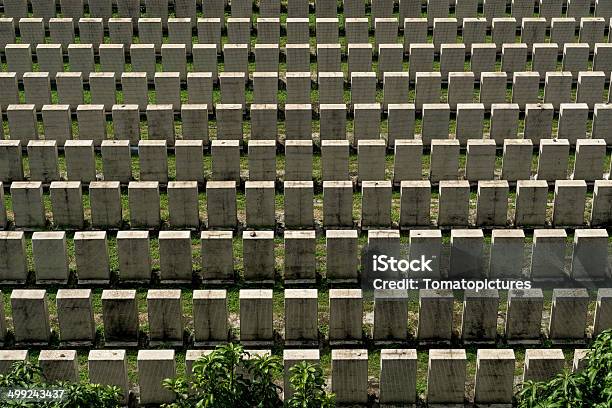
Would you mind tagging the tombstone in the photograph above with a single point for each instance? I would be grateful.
(376, 203)
(444, 31)
(183, 207)
(59, 365)
(135, 95)
(219, 267)
(299, 160)
(525, 88)
(435, 124)
(573, 121)
(27, 201)
(514, 59)
(301, 316)
(292, 358)
(590, 255)
(533, 30)
(92, 258)
(338, 203)
(601, 211)
(109, 367)
(221, 204)
(415, 30)
(10, 95)
(92, 123)
(153, 367)
(492, 88)
(427, 88)
(460, 88)
(75, 317)
(483, 59)
(229, 122)
(57, 123)
(548, 254)
(160, 122)
(117, 160)
(590, 88)
(331, 87)
(569, 202)
(492, 203)
(474, 30)
(363, 88)
(544, 58)
(258, 256)
(81, 59)
(18, 59)
(37, 89)
(22, 123)
(167, 89)
(568, 319)
(188, 155)
(421, 59)
(165, 318)
(50, 59)
(453, 207)
(575, 58)
(407, 163)
(558, 88)
(332, 121)
(507, 252)
(349, 375)
(426, 243)
(531, 200)
(398, 376)
(50, 257)
(105, 199)
(210, 316)
(602, 118)
(256, 316)
(390, 315)
(14, 265)
(30, 317)
(552, 159)
(467, 254)
(452, 59)
(543, 365)
(400, 123)
(175, 256)
(479, 319)
(359, 58)
(341, 255)
(298, 209)
(121, 31)
(415, 203)
(120, 316)
(371, 160)
(10, 357)
(345, 315)
(144, 204)
(470, 117)
(446, 376)
(209, 34)
(494, 382)
(435, 315)
(80, 160)
(480, 163)
(300, 249)
(524, 316)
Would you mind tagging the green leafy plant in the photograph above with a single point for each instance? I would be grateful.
(228, 378)
(590, 387)
(308, 383)
(231, 378)
(26, 375)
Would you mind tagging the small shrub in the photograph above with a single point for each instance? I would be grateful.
(26, 375)
(590, 387)
(308, 383)
(230, 378)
